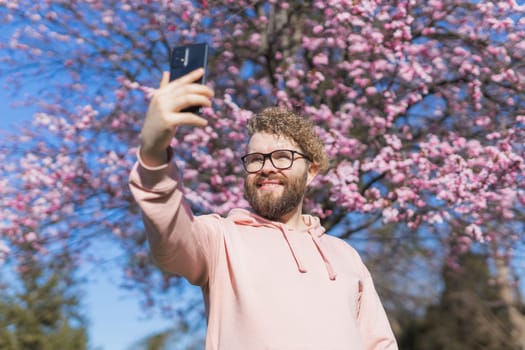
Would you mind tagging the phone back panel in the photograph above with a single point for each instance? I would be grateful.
(187, 58)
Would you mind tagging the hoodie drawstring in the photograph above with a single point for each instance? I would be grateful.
(300, 267)
(329, 268)
(243, 217)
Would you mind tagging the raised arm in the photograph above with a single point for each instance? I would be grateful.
(176, 243)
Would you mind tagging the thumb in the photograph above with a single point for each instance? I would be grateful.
(165, 79)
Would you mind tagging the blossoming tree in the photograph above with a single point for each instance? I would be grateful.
(421, 105)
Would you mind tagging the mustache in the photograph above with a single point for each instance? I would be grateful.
(271, 177)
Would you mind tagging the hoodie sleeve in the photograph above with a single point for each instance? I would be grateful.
(371, 317)
(177, 242)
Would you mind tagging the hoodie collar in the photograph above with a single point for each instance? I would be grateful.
(314, 230)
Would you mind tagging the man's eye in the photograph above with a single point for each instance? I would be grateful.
(282, 156)
(256, 159)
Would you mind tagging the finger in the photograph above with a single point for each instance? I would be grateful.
(198, 89)
(191, 77)
(177, 99)
(165, 79)
(191, 119)
(189, 89)
(192, 100)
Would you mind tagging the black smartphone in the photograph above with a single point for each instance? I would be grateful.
(187, 58)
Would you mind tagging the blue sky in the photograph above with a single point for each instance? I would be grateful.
(116, 320)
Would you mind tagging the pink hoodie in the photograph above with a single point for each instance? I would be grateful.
(266, 286)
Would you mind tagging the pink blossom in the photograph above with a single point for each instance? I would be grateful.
(390, 215)
(320, 59)
(317, 29)
(30, 237)
(474, 231)
(371, 90)
(293, 83)
(255, 39)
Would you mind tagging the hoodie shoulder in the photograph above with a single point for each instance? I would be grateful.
(344, 248)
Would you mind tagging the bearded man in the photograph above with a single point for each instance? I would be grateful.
(270, 276)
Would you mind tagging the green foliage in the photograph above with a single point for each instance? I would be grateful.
(154, 342)
(180, 337)
(39, 311)
(469, 315)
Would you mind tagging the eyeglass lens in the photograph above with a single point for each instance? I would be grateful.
(280, 159)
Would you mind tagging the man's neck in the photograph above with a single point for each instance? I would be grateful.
(294, 219)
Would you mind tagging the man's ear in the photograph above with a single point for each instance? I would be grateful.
(313, 170)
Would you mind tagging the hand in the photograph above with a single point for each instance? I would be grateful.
(164, 114)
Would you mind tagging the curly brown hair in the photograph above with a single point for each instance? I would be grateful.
(280, 121)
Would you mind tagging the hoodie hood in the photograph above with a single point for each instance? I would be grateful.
(314, 230)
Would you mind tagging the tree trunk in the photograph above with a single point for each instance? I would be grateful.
(511, 300)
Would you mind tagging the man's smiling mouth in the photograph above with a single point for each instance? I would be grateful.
(269, 183)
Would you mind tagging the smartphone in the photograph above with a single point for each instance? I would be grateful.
(187, 58)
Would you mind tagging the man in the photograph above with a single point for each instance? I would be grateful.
(271, 278)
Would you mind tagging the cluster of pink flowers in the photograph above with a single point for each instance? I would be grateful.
(421, 111)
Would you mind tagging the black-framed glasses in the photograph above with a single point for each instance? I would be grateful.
(281, 159)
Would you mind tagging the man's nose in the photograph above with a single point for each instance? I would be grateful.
(268, 166)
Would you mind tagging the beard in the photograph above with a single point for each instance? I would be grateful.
(273, 207)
